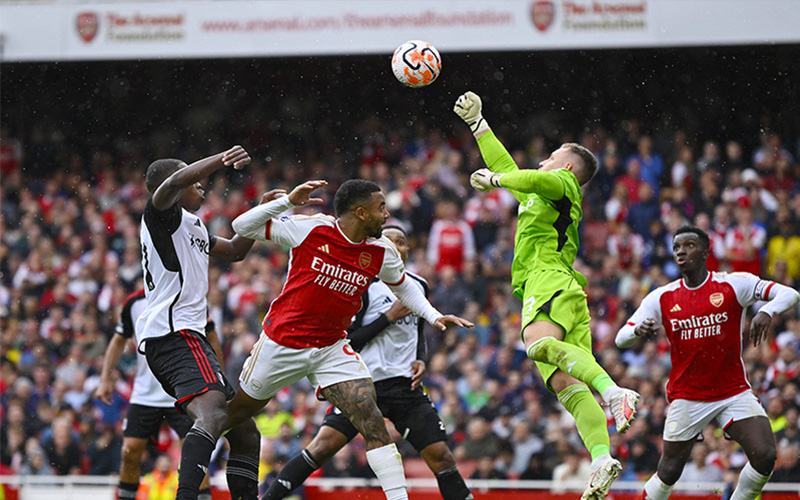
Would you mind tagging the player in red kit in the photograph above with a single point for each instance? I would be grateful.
(703, 316)
(333, 260)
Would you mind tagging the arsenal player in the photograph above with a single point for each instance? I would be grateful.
(703, 316)
(333, 261)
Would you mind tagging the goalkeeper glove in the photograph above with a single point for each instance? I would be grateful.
(468, 107)
(484, 180)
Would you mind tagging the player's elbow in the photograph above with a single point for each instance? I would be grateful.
(795, 297)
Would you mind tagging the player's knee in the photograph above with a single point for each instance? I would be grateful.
(439, 457)
(131, 455)
(764, 461)
(669, 470)
(213, 421)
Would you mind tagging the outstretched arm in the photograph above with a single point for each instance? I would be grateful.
(781, 298)
(415, 300)
(170, 190)
(252, 224)
(546, 184)
(236, 248)
(645, 322)
(469, 107)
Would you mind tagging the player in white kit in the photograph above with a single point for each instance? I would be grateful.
(703, 316)
(175, 251)
(149, 404)
(391, 343)
(333, 261)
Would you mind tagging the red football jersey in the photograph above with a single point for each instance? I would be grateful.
(704, 327)
(327, 275)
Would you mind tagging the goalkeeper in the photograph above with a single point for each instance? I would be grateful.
(555, 314)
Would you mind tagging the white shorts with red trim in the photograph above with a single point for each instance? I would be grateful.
(687, 419)
(272, 367)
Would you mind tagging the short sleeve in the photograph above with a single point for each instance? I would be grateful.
(749, 288)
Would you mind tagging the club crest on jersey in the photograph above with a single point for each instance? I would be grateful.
(717, 299)
(364, 260)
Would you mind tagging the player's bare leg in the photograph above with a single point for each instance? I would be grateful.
(442, 463)
(670, 467)
(129, 471)
(357, 401)
(758, 442)
(544, 343)
(242, 407)
(322, 448)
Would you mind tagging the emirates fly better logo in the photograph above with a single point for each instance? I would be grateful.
(542, 14)
(87, 24)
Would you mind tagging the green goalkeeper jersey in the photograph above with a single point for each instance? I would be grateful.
(549, 213)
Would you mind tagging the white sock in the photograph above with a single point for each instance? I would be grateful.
(388, 466)
(597, 462)
(750, 484)
(655, 489)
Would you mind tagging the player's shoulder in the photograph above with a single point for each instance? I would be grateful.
(383, 242)
(319, 219)
(669, 287)
(133, 297)
(733, 277)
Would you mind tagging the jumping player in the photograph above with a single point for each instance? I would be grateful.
(149, 404)
(175, 250)
(333, 261)
(555, 313)
(390, 340)
(703, 316)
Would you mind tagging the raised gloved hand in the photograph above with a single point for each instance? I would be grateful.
(485, 180)
(468, 107)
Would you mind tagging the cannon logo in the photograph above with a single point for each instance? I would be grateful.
(364, 260)
(542, 14)
(87, 25)
(716, 299)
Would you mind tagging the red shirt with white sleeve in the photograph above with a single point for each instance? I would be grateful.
(704, 326)
(327, 275)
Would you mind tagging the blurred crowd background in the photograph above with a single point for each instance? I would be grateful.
(693, 136)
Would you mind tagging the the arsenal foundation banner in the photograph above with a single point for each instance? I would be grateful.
(60, 30)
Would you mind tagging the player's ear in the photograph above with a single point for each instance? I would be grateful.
(360, 212)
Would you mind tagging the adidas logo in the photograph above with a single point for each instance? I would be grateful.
(324, 248)
(675, 308)
(387, 300)
(286, 484)
(203, 468)
(197, 223)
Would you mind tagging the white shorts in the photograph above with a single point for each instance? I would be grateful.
(687, 419)
(272, 367)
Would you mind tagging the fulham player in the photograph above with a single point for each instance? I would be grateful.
(703, 316)
(149, 404)
(333, 261)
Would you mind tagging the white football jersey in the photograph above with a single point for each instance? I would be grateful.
(147, 391)
(392, 351)
(175, 246)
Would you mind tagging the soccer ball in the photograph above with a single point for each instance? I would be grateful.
(416, 63)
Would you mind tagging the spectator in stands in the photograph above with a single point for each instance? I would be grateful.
(62, 449)
(744, 241)
(451, 241)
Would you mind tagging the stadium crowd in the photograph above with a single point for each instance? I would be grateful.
(69, 255)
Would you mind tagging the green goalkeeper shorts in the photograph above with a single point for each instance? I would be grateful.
(556, 296)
